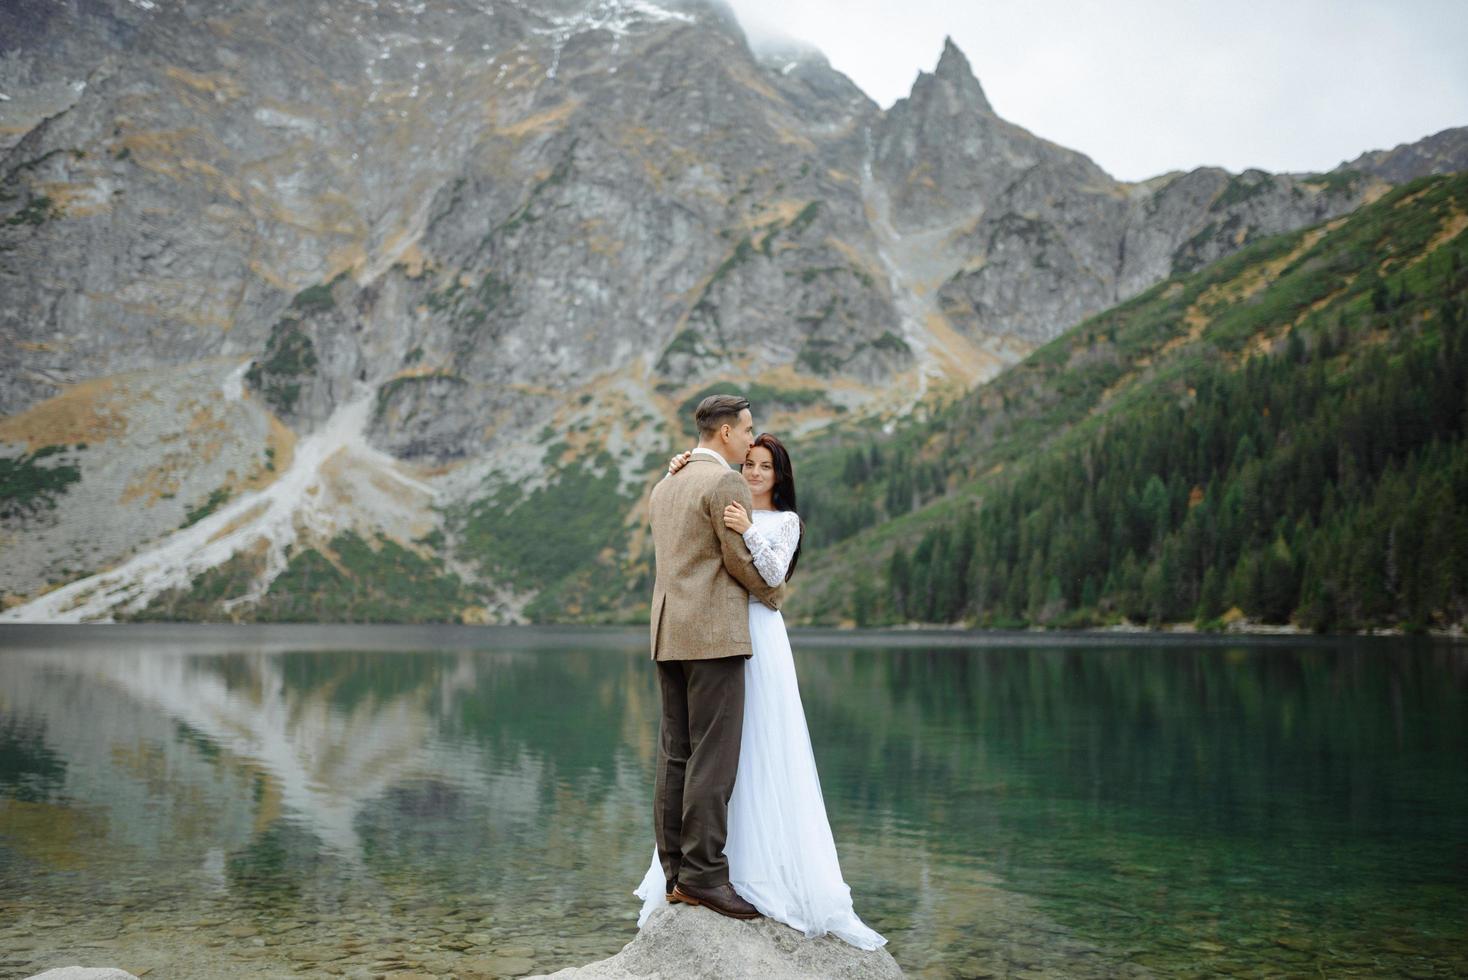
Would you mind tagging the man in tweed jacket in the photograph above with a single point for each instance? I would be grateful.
(700, 640)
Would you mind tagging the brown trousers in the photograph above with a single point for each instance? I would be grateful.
(698, 758)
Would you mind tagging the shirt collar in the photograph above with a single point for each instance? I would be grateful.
(710, 453)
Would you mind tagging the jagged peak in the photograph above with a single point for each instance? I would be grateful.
(955, 73)
(952, 62)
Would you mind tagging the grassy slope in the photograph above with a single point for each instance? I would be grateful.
(1347, 313)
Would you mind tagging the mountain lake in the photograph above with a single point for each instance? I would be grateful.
(232, 801)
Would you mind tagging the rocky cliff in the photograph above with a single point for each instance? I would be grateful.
(431, 275)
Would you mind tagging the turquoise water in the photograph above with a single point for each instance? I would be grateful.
(217, 801)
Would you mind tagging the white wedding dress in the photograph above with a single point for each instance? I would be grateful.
(782, 858)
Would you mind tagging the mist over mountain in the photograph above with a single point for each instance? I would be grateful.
(299, 301)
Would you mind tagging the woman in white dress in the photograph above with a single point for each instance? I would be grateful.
(782, 857)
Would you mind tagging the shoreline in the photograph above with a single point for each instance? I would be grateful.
(186, 637)
(1240, 628)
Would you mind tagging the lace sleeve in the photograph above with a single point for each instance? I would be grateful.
(772, 556)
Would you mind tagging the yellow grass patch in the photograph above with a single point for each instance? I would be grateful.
(80, 413)
(283, 441)
(922, 176)
(475, 616)
(741, 73)
(861, 260)
(783, 210)
(270, 275)
(597, 240)
(75, 199)
(328, 218)
(1375, 192)
(1116, 386)
(1260, 344)
(1325, 301)
(1408, 199)
(210, 85)
(657, 156)
(163, 144)
(158, 480)
(784, 134)
(200, 167)
(410, 256)
(960, 358)
(202, 440)
(1451, 228)
(416, 371)
(639, 136)
(1248, 283)
(549, 391)
(540, 121)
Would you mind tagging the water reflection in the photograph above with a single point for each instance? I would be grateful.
(451, 800)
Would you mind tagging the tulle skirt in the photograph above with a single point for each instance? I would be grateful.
(782, 857)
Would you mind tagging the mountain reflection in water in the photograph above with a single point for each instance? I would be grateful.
(364, 796)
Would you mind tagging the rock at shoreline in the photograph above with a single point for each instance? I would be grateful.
(696, 944)
(84, 973)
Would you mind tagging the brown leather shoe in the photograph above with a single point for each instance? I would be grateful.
(723, 899)
(669, 892)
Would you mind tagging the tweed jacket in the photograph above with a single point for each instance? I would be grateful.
(705, 574)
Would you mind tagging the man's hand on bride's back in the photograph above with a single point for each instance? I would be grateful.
(678, 461)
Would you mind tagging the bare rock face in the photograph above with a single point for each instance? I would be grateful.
(1440, 153)
(684, 941)
(1035, 237)
(523, 196)
(944, 152)
(464, 233)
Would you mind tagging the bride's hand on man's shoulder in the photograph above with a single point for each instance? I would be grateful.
(679, 460)
(736, 518)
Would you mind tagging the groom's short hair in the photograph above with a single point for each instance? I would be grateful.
(715, 410)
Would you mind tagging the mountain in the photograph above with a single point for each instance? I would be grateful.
(1441, 153)
(300, 302)
(1281, 437)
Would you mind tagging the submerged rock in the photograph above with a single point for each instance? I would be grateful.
(689, 942)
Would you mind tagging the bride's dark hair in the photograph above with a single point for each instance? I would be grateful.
(783, 495)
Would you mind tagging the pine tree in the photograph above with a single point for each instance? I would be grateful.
(899, 584)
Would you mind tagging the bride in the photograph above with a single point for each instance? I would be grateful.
(782, 858)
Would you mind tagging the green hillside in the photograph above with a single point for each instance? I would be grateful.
(1280, 433)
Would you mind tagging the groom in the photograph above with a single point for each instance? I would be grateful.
(700, 640)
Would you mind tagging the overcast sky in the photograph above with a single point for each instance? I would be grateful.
(1147, 86)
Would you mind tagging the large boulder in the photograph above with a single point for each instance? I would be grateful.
(695, 944)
